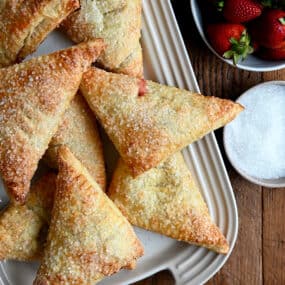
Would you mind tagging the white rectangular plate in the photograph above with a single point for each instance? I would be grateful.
(166, 61)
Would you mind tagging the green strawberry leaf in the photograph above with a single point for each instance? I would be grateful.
(236, 58)
(228, 54)
(233, 41)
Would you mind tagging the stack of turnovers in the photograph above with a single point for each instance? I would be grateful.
(149, 123)
(23, 228)
(118, 22)
(25, 24)
(84, 242)
(73, 201)
(33, 98)
(47, 110)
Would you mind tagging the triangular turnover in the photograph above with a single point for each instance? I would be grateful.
(167, 200)
(147, 121)
(88, 238)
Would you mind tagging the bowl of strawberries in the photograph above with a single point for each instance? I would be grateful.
(248, 34)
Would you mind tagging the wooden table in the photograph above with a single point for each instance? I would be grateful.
(259, 254)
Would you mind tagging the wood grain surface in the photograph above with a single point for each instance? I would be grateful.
(259, 254)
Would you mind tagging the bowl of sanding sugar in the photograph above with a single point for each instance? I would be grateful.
(255, 141)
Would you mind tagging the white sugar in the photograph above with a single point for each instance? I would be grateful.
(256, 139)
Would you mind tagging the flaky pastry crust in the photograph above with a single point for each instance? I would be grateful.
(25, 24)
(133, 64)
(79, 132)
(88, 237)
(119, 24)
(167, 200)
(147, 127)
(23, 228)
(33, 98)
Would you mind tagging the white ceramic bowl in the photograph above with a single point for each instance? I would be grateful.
(271, 183)
(251, 63)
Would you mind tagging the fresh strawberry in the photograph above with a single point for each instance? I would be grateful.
(269, 29)
(230, 40)
(240, 11)
(272, 54)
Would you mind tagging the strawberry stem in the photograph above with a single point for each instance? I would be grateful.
(239, 48)
(282, 20)
(273, 4)
(266, 3)
(220, 5)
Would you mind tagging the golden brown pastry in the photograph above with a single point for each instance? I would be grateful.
(167, 200)
(33, 98)
(25, 24)
(79, 132)
(23, 228)
(119, 24)
(146, 121)
(133, 64)
(88, 237)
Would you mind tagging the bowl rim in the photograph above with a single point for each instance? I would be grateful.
(194, 10)
(270, 183)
